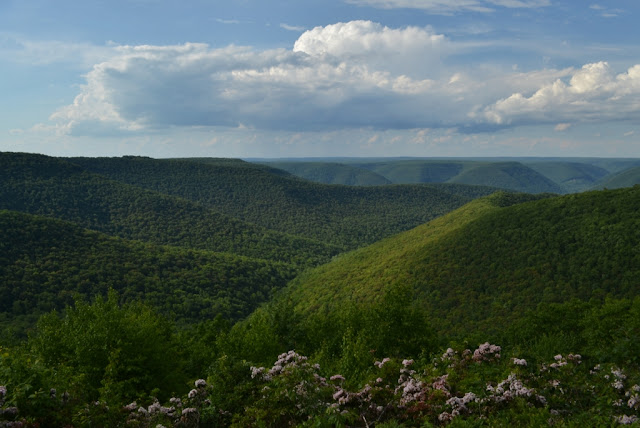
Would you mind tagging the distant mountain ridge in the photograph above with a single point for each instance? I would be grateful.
(345, 216)
(531, 175)
(626, 178)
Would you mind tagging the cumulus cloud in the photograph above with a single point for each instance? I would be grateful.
(332, 78)
(451, 6)
(350, 75)
(366, 38)
(593, 93)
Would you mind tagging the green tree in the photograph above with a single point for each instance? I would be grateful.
(118, 353)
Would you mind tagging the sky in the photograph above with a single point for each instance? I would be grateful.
(320, 78)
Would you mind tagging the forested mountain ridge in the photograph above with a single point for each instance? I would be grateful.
(626, 178)
(46, 263)
(571, 175)
(506, 175)
(345, 216)
(331, 173)
(56, 188)
(482, 265)
(531, 175)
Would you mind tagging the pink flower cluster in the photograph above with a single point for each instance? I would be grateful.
(285, 360)
(487, 352)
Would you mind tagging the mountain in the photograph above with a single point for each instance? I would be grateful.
(484, 265)
(571, 176)
(45, 263)
(626, 178)
(57, 188)
(331, 173)
(415, 170)
(345, 216)
(509, 175)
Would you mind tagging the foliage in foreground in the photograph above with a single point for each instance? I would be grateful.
(108, 365)
(458, 388)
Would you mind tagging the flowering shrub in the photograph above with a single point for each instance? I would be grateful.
(456, 386)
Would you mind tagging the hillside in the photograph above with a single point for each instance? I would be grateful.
(415, 170)
(508, 175)
(626, 178)
(485, 264)
(45, 263)
(571, 176)
(346, 216)
(56, 188)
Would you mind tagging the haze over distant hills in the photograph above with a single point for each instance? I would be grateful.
(531, 175)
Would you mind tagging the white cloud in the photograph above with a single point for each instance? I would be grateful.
(450, 6)
(562, 127)
(366, 39)
(593, 93)
(350, 75)
(292, 27)
(333, 77)
(229, 21)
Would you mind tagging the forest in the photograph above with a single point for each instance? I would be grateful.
(205, 292)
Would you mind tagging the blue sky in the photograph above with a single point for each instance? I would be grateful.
(296, 78)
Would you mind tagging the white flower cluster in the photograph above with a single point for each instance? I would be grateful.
(9, 412)
(411, 389)
(285, 360)
(458, 406)
(560, 361)
(618, 383)
(626, 420)
(634, 397)
(379, 364)
(519, 361)
(510, 388)
(138, 414)
(449, 354)
(487, 352)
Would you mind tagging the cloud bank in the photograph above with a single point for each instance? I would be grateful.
(350, 75)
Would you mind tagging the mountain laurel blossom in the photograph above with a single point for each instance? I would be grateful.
(487, 352)
(519, 361)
